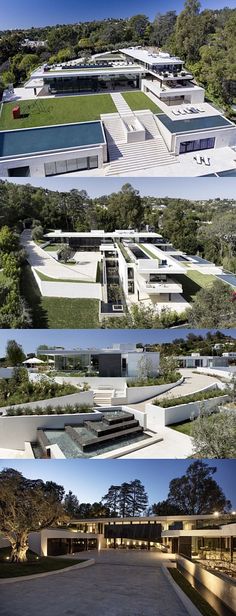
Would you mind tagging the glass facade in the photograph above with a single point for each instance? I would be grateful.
(197, 144)
(70, 165)
(91, 83)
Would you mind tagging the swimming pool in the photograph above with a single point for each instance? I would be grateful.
(50, 138)
(192, 124)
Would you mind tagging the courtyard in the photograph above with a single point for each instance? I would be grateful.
(121, 583)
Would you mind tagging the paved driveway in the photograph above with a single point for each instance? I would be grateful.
(121, 583)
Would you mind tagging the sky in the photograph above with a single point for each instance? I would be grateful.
(28, 13)
(84, 338)
(186, 188)
(90, 479)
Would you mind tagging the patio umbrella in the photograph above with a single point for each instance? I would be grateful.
(33, 360)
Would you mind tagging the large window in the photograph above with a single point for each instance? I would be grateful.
(197, 144)
(68, 166)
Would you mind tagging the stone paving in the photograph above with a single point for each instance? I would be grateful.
(121, 583)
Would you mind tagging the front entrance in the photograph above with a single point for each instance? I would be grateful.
(59, 547)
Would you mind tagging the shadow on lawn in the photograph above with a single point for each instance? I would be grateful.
(32, 295)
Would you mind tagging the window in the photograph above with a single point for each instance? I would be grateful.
(197, 144)
(70, 165)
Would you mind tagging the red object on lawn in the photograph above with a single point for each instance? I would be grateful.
(16, 112)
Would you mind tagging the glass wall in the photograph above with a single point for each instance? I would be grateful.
(197, 144)
(72, 164)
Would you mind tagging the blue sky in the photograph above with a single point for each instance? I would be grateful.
(90, 479)
(69, 338)
(27, 13)
(189, 188)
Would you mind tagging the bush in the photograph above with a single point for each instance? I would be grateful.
(159, 380)
(201, 395)
(49, 410)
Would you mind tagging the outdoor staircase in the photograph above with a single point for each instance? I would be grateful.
(128, 157)
(114, 128)
(148, 121)
(102, 397)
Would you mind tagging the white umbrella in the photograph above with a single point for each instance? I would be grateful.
(33, 360)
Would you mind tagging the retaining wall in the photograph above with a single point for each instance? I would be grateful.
(223, 589)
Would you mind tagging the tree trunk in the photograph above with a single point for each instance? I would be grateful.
(19, 549)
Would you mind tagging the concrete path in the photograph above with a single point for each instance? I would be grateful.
(175, 445)
(192, 382)
(121, 105)
(121, 583)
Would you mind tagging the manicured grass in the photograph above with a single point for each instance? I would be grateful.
(56, 312)
(33, 565)
(203, 280)
(124, 252)
(139, 100)
(192, 282)
(194, 596)
(49, 279)
(149, 252)
(185, 427)
(57, 111)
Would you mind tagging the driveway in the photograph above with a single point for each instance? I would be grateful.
(121, 583)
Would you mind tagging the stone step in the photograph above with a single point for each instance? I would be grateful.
(101, 428)
(87, 443)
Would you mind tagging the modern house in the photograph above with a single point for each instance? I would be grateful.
(200, 537)
(174, 121)
(120, 360)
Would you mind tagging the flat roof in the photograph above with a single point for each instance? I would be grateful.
(50, 138)
(192, 124)
(101, 233)
(93, 70)
(145, 55)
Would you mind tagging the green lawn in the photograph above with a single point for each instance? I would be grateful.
(33, 565)
(193, 594)
(139, 100)
(56, 312)
(149, 252)
(192, 282)
(57, 111)
(185, 427)
(49, 279)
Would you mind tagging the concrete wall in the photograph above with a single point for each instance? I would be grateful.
(138, 394)
(225, 374)
(223, 138)
(223, 589)
(158, 416)
(137, 134)
(90, 290)
(95, 382)
(82, 397)
(15, 431)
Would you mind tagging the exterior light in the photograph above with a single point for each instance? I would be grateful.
(7, 557)
(216, 513)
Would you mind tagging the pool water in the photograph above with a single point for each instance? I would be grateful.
(72, 449)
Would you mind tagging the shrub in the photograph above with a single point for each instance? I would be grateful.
(197, 397)
(159, 380)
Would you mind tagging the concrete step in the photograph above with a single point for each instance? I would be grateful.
(148, 121)
(142, 155)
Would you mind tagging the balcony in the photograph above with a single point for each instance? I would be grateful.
(158, 288)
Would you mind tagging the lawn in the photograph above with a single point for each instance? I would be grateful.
(139, 100)
(57, 111)
(149, 252)
(192, 282)
(193, 594)
(185, 427)
(71, 280)
(33, 565)
(56, 312)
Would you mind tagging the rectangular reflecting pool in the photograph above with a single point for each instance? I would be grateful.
(50, 138)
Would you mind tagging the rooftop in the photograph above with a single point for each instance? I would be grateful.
(100, 232)
(192, 124)
(144, 55)
(51, 138)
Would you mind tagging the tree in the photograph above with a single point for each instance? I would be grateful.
(8, 240)
(111, 500)
(165, 508)
(37, 233)
(65, 254)
(196, 492)
(213, 306)
(214, 436)
(168, 366)
(14, 353)
(125, 503)
(71, 505)
(26, 505)
(145, 368)
(138, 498)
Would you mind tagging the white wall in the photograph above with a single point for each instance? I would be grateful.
(37, 162)
(82, 397)
(158, 416)
(223, 138)
(223, 589)
(138, 394)
(15, 431)
(68, 289)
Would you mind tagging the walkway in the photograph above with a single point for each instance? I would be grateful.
(175, 445)
(121, 583)
(121, 105)
(192, 382)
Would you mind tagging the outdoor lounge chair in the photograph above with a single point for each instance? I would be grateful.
(198, 159)
(207, 161)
